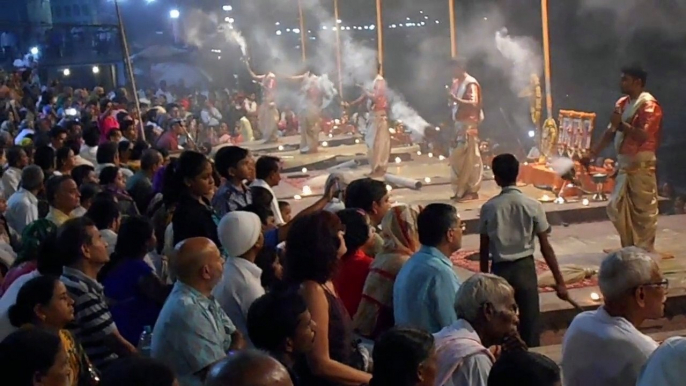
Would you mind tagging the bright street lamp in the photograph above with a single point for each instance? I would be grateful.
(66, 72)
(96, 69)
(34, 51)
(174, 13)
(227, 8)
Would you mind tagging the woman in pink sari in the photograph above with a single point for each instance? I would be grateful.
(399, 233)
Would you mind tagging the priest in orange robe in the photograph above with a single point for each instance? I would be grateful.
(634, 130)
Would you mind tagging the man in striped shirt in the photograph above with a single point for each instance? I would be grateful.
(84, 253)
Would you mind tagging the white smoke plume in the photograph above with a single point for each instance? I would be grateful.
(205, 30)
(240, 40)
(523, 55)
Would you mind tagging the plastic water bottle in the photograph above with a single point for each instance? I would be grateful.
(145, 342)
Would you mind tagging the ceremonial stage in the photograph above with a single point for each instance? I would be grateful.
(581, 231)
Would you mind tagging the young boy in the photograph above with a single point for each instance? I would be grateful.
(285, 209)
(236, 166)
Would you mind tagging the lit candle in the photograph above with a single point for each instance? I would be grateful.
(585, 202)
(307, 190)
(419, 152)
(280, 147)
(325, 144)
(389, 188)
(595, 296)
(304, 170)
(297, 197)
(441, 158)
(397, 160)
(427, 180)
(357, 140)
(431, 155)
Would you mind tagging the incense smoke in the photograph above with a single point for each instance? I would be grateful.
(523, 57)
(240, 40)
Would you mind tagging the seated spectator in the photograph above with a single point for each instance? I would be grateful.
(605, 347)
(524, 368)
(267, 176)
(261, 196)
(140, 185)
(404, 357)
(371, 196)
(399, 233)
(666, 366)
(58, 135)
(285, 210)
(75, 146)
(104, 212)
(487, 316)
(190, 181)
(139, 147)
(192, 331)
(89, 149)
(424, 291)
(39, 260)
(84, 174)
(353, 267)
(315, 245)
(63, 197)
(124, 148)
(280, 324)
(114, 136)
(88, 192)
(34, 357)
(108, 155)
(236, 165)
(44, 156)
(248, 368)
(169, 141)
(64, 161)
(17, 159)
(43, 302)
(112, 181)
(137, 293)
(138, 371)
(84, 253)
(269, 261)
(22, 206)
(241, 237)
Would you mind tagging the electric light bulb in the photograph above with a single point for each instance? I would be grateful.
(304, 170)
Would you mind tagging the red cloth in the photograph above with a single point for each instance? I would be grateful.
(379, 97)
(107, 124)
(349, 282)
(469, 113)
(649, 119)
(168, 141)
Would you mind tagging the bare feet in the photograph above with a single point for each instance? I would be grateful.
(465, 197)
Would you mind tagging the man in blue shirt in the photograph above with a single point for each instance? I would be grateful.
(424, 291)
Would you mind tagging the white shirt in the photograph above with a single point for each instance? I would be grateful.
(10, 180)
(89, 153)
(110, 237)
(166, 94)
(8, 299)
(459, 342)
(239, 288)
(210, 117)
(22, 210)
(275, 203)
(601, 350)
(666, 366)
(22, 134)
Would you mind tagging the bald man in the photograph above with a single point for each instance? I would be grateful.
(248, 368)
(192, 332)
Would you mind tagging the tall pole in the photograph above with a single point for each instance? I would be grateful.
(338, 50)
(129, 67)
(379, 35)
(303, 32)
(546, 59)
(453, 31)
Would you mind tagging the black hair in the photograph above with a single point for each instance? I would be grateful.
(25, 354)
(188, 166)
(61, 156)
(637, 72)
(312, 252)
(356, 229)
(80, 172)
(44, 157)
(397, 355)
(91, 135)
(149, 159)
(261, 196)
(107, 153)
(505, 169)
(74, 145)
(283, 204)
(39, 290)
(228, 157)
(123, 146)
(56, 131)
(89, 191)
(363, 193)
(103, 104)
(138, 150)
(112, 132)
(108, 175)
(132, 242)
(263, 212)
(71, 237)
(265, 166)
(523, 368)
(434, 222)
(53, 186)
(237, 368)
(14, 155)
(103, 212)
(139, 371)
(265, 260)
(273, 318)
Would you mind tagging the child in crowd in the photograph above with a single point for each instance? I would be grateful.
(285, 209)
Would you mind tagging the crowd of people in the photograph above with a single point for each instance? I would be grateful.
(148, 262)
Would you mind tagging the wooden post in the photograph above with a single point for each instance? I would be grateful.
(453, 31)
(338, 50)
(303, 32)
(379, 34)
(546, 59)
